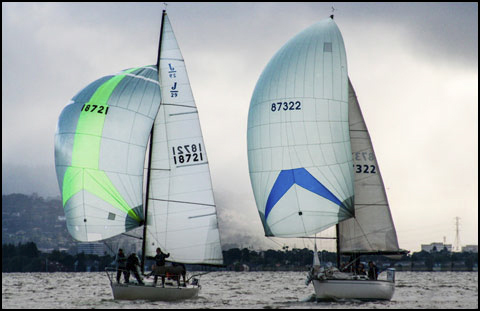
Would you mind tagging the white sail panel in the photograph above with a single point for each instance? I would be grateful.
(181, 211)
(372, 230)
(100, 145)
(298, 140)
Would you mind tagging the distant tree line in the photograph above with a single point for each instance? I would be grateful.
(444, 256)
(27, 258)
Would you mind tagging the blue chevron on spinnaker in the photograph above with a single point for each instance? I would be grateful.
(300, 176)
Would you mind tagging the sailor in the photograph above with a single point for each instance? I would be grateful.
(372, 271)
(121, 261)
(132, 265)
(179, 269)
(361, 269)
(159, 268)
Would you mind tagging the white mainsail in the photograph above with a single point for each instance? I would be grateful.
(372, 230)
(181, 216)
(299, 153)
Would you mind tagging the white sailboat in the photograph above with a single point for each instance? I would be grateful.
(311, 160)
(101, 143)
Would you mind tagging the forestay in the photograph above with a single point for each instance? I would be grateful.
(100, 145)
(372, 229)
(299, 151)
(181, 216)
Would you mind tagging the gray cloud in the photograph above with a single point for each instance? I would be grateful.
(414, 67)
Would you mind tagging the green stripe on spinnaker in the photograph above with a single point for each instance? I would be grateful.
(83, 174)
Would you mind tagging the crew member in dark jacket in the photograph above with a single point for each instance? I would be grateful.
(372, 271)
(121, 261)
(132, 264)
(159, 268)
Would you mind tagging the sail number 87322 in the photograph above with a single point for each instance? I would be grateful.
(292, 105)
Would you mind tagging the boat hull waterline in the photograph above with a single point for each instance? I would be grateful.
(353, 289)
(157, 293)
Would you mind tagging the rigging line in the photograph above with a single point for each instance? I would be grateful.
(132, 236)
(127, 184)
(271, 239)
(185, 202)
(108, 246)
(285, 217)
(361, 230)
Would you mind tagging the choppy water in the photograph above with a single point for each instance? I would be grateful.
(247, 290)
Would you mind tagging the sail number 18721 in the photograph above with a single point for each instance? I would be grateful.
(189, 153)
(93, 108)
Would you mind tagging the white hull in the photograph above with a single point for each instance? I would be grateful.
(140, 292)
(353, 289)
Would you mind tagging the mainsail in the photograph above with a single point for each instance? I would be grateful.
(182, 217)
(299, 153)
(100, 149)
(372, 229)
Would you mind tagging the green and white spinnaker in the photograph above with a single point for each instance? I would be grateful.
(100, 146)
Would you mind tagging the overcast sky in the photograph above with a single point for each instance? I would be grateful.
(414, 67)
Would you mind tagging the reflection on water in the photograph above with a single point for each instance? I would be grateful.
(237, 290)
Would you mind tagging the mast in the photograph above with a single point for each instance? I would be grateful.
(150, 155)
(337, 229)
(160, 40)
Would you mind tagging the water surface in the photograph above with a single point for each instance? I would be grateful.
(433, 290)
